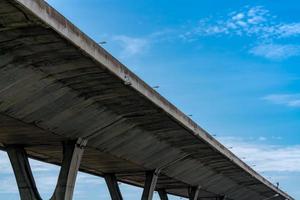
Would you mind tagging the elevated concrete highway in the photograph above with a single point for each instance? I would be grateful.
(65, 100)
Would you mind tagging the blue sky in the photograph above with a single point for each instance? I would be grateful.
(232, 65)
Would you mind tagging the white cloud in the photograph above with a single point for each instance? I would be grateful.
(261, 138)
(38, 166)
(288, 30)
(276, 137)
(5, 167)
(276, 51)
(8, 185)
(266, 158)
(131, 46)
(291, 100)
(254, 22)
(248, 21)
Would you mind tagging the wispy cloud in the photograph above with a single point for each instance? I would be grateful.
(265, 29)
(254, 21)
(134, 46)
(8, 185)
(291, 100)
(288, 30)
(131, 46)
(248, 21)
(276, 51)
(5, 167)
(266, 158)
(262, 138)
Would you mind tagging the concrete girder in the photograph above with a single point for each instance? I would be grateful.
(113, 186)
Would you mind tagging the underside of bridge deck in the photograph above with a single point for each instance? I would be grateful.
(57, 85)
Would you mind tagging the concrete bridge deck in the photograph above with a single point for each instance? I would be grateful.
(57, 85)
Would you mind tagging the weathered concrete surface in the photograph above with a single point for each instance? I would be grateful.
(58, 84)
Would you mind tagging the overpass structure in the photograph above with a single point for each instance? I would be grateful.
(65, 100)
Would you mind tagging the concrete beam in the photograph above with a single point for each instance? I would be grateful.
(163, 194)
(72, 154)
(113, 186)
(150, 184)
(193, 193)
(23, 174)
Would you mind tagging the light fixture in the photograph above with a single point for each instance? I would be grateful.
(102, 42)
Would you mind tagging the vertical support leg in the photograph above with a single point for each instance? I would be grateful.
(193, 193)
(72, 154)
(163, 194)
(150, 184)
(23, 174)
(113, 186)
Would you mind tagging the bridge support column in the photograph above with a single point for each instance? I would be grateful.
(150, 184)
(72, 154)
(113, 186)
(193, 193)
(163, 194)
(23, 174)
